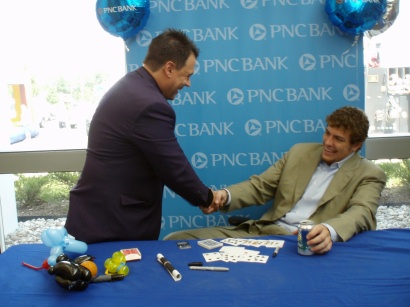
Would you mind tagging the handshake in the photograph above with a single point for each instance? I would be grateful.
(220, 198)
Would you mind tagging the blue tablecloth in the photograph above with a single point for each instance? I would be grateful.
(372, 269)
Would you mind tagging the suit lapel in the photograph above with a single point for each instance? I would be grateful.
(341, 178)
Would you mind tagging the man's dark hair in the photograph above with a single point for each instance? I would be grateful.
(350, 119)
(171, 45)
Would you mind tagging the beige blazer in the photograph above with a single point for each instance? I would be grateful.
(349, 204)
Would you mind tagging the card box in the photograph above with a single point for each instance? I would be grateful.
(210, 244)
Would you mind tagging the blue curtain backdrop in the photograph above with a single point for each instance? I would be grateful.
(268, 73)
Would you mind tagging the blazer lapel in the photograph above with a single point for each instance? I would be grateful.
(341, 178)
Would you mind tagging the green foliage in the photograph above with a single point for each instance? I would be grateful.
(77, 89)
(403, 172)
(46, 188)
(398, 173)
(52, 97)
(28, 189)
(53, 192)
(67, 178)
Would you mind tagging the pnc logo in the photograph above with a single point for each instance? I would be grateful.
(307, 62)
(199, 160)
(257, 32)
(249, 4)
(235, 96)
(253, 127)
(143, 38)
(197, 68)
(351, 92)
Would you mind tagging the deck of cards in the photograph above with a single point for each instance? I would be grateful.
(210, 244)
(131, 254)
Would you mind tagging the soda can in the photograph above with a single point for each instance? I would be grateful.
(304, 227)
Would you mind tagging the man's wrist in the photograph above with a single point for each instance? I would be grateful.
(227, 198)
(333, 234)
(210, 198)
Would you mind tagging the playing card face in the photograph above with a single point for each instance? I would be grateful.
(232, 249)
(255, 243)
(260, 259)
(274, 243)
(229, 257)
(210, 257)
(231, 253)
(248, 258)
(232, 241)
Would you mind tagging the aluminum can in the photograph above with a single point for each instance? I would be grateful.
(304, 227)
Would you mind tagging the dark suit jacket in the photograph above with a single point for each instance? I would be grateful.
(349, 204)
(132, 152)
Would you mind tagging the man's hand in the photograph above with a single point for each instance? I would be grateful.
(207, 210)
(319, 239)
(219, 200)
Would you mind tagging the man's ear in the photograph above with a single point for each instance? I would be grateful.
(357, 147)
(168, 68)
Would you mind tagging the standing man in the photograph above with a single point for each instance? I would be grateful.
(133, 152)
(329, 183)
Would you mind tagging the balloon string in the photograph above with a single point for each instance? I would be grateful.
(32, 266)
(126, 47)
(356, 39)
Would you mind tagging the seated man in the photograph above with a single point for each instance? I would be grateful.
(328, 183)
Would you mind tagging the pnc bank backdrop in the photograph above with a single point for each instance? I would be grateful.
(268, 73)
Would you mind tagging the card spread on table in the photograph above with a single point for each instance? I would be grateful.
(253, 242)
(238, 253)
(235, 254)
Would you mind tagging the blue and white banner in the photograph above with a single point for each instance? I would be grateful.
(268, 73)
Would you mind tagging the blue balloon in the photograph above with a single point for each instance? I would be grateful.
(387, 19)
(59, 241)
(355, 16)
(123, 18)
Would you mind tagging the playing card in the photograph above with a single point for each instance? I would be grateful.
(231, 249)
(248, 255)
(231, 241)
(209, 257)
(131, 254)
(256, 243)
(274, 243)
(229, 258)
(261, 259)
